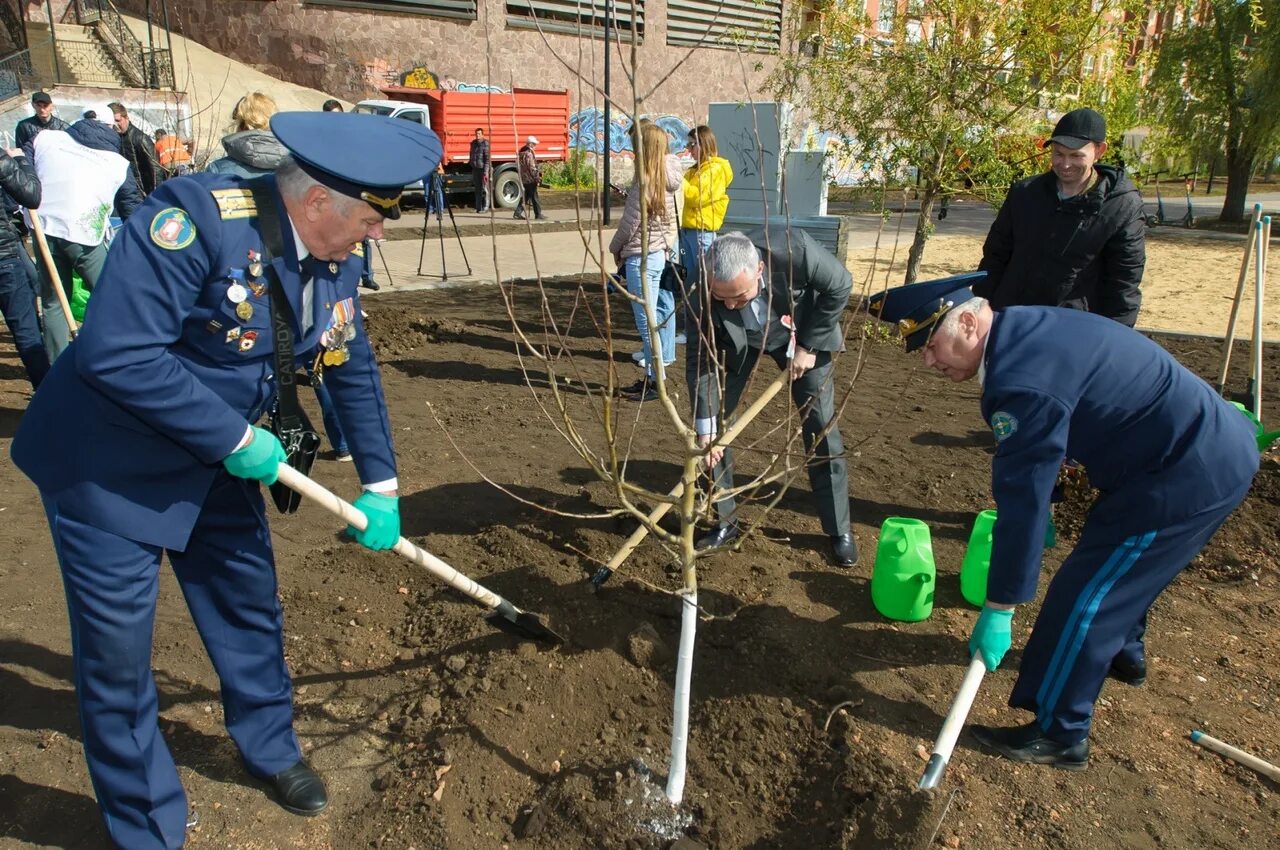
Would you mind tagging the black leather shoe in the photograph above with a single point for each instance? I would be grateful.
(844, 550)
(370, 283)
(300, 790)
(518, 217)
(1129, 671)
(646, 392)
(1027, 744)
(722, 536)
(633, 388)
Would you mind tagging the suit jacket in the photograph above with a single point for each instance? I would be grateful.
(129, 428)
(803, 282)
(1155, 438)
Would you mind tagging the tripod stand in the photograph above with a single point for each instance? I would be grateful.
(422, 248)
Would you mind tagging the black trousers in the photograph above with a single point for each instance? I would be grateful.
(828, 469)
(478, 181)
(529, 197)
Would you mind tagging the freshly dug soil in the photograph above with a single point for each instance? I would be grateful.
(809, 710)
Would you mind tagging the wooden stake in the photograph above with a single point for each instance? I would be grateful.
(1235, 302)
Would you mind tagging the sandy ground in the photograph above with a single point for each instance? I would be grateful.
(1188, 285)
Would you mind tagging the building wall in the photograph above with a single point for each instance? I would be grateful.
(349, 51)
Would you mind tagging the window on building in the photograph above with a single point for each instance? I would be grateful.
(915, 32)
(884, 20)
(585, 17)
(464, 9)
(1088, 64)
(754, 25)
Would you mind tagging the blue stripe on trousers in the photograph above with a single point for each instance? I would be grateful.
(1082, 614)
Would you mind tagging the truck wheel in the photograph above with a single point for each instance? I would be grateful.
(506, 189)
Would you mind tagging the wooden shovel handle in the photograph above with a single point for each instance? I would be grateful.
(52, 270)
(723, 440)
(299, 483)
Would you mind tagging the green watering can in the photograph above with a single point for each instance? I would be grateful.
(977, 556)
(1265, 438)
(977, 560)
(79, 298)
(902, 581)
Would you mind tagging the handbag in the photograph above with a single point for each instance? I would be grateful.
(287, 420)
(672, 278)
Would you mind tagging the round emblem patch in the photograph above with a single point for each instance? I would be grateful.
(1003, 425)
(172, 229)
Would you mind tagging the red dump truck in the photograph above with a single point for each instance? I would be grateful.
(507, 118)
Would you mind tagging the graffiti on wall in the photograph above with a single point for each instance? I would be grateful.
(420, 77)
(587, 132)
(842, 166)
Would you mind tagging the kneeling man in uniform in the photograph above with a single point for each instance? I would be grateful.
(1172, 461)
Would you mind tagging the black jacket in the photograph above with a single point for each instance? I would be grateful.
(805, 281)
(137, 147)
(1085, 252)
(18, 180)
(29, 128)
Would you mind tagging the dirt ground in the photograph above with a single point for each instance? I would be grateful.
(1188, 285)
(436, 731)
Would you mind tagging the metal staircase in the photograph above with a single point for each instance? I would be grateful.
(110, 53)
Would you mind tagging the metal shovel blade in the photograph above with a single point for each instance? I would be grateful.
(510, 619)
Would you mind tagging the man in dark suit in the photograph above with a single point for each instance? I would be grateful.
(143, 443)
(795, 320)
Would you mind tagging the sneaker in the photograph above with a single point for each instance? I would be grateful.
(342, 457)
(681, 339)
(518, 216)
(633, 388)
(541, 217)
(645, 392)
(638, 356)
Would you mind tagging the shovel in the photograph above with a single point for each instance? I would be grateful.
(504, 616)
(42, 244)
(606, 572)
(953, 724)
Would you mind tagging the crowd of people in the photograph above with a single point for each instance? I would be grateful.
(219, 283)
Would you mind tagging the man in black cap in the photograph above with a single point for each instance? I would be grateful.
(1073, 236)
(212, 293)
(44, 119)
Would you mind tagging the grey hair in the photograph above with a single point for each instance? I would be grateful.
(293, 183)
(951, 320)
(730, 255)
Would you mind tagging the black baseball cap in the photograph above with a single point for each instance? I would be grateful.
(41, 97)
(1078, 128)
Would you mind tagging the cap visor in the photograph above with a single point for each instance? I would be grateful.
(1074, 143)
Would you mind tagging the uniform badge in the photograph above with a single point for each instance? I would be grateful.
(214, 326)
(336, 357)
(255, 264)
(333, 268)
(244, 310)
(236, 293)
(1003, 425)
(172, 229)
(248, 339)
(233, 334)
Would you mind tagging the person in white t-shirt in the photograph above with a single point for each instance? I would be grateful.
(84, 177)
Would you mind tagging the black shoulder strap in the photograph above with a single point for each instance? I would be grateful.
(288, 409)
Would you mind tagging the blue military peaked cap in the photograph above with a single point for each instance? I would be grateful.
(917, 307)
(370, 157)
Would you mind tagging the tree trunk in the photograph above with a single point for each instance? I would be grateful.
(924, 227)
(1238, 169)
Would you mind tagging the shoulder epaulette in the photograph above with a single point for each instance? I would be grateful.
(235, 203)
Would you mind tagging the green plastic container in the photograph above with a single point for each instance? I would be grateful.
(79, 298)
(977, 560)
(1050, 533)
(902, 581)
(1265, 438)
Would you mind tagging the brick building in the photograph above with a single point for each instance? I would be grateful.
(349, 47)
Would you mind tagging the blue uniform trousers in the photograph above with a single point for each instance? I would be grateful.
(227, 575)
(1096, 609)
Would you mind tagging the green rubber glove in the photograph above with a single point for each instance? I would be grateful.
(260, 459)
(383, 514)
(991, 636)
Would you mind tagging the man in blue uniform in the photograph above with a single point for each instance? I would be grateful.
(1171, 459)
(142, 442)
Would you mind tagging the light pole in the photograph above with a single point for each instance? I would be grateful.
(608, 117)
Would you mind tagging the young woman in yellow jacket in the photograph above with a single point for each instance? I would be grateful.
(706, 199)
